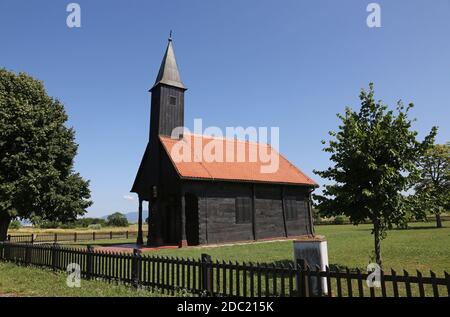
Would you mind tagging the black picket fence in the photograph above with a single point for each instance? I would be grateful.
(205, 277)
(71, 236)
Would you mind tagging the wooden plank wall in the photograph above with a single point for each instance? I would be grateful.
(268, 212)
(170, 116)
(301, 225)
(217, 210)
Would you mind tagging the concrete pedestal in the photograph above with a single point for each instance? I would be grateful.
(314, 251)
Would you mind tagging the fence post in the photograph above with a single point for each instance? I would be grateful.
(93, 235)
(127, 234)
(75, 237)
(207, 274)
(56, 238)
(28, 254)
(9, 237)
(32, 238)
(7, 251)
(89, 261)
(110, 235)
(54, 256)
(135, 267)
(301, 278)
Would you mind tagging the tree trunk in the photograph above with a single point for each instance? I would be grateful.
(5, 219)
(377, 236)
(438, 221)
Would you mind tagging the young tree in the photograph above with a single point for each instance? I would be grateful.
(36, 153)
(432, 190)
(374, 154)
(117, 220)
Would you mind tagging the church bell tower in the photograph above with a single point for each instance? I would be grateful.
(167, 100)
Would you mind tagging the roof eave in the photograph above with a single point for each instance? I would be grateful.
(169, 84)
(246, 181)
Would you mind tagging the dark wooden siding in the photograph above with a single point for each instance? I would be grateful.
(169, 192)
(217, 211)
(299, 226)
(268, 212)
(170, 116)
(164, 117)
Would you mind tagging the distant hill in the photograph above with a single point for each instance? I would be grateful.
(132, 217)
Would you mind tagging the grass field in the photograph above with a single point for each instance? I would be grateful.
(29, 230)
(29, 281)
(421, 247)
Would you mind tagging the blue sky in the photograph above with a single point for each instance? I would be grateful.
(292, 64)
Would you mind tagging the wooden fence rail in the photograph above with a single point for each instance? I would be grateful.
(71, 236)
(205, 277)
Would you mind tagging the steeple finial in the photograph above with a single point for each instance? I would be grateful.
(168, 72)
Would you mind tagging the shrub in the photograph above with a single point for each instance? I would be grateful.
(339, 220)
(95, 226)
(117, 220)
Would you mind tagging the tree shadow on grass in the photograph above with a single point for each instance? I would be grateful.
(332, 266)
(284, 262)
(341, 268)
(417, 228)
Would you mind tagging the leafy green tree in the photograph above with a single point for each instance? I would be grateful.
(117, 220)
(374, 154)
(36, 153)
(432, 190)
(15, 224)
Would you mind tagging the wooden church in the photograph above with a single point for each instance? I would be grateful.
(201, 202)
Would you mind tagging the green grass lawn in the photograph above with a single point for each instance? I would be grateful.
(30, 281)
(421, 247)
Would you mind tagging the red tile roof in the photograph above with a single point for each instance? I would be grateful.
(197, 167)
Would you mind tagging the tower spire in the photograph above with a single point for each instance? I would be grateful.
(168, 72)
